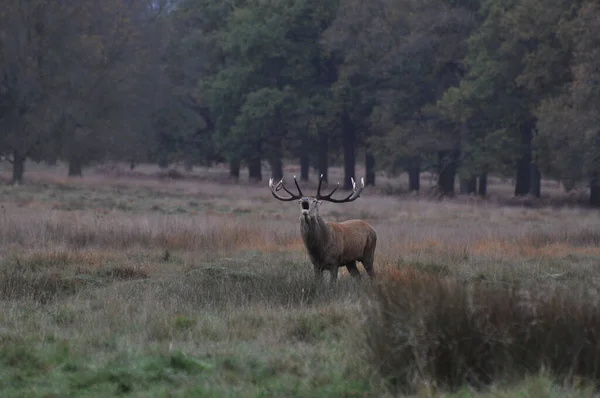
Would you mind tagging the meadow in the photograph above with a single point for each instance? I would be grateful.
(135, 283)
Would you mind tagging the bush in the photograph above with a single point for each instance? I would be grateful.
(424, 329)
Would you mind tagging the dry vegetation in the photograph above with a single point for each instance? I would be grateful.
(146, 286)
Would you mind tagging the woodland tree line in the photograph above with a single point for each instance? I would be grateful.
(462, 88)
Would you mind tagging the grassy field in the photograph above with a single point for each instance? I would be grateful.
(122, 284)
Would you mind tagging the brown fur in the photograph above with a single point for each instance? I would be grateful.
(332, 245)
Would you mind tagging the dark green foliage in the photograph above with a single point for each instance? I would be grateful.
(487, 103)
(568, 137)
(263, 94)
(517, 57)
(399, 58)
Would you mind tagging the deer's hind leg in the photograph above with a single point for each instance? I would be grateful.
(352, 269)
(369, 257)
(367, 262)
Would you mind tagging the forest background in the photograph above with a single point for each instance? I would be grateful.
(463, 89)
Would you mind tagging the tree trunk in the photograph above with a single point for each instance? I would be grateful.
(595, 191)
(274, 150)
(524, 174)
(75, 168)
(276, 168)
(369, 168)
(414, 175)
(349, 144)
(234, 169)
(18, 168)
(323, 156)
(304, 159)
(472, 188)
(163, 161)
(447, 172)
(535, 187)
(522, 185)
(483, 180)
(255, 169)
(468, 186)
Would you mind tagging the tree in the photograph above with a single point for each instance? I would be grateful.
(569, 138)
(515, 60)
(404, 55)
(271, 70)
(183, 126)
(264, 111)
(487, 105)
(78, 79)
(32, 39)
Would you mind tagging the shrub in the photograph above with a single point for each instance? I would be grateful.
(424, 329)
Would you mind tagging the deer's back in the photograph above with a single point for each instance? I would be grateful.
(354, 238)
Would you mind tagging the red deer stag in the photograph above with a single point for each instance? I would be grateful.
(332, 245)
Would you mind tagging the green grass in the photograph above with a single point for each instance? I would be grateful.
(54, 369)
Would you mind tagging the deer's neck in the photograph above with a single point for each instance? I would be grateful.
(315, 234)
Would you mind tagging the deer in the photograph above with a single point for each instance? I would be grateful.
(332, 245)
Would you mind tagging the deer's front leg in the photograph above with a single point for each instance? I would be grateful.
(333, 270)
(318, 273)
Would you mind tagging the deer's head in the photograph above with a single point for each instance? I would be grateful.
(309, 205)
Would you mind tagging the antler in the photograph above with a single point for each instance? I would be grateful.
(279, 186)
(353, 195)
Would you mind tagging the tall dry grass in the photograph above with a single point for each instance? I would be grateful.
(84, 229)
(428, 330)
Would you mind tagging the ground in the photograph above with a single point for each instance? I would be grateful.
(141, 285)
